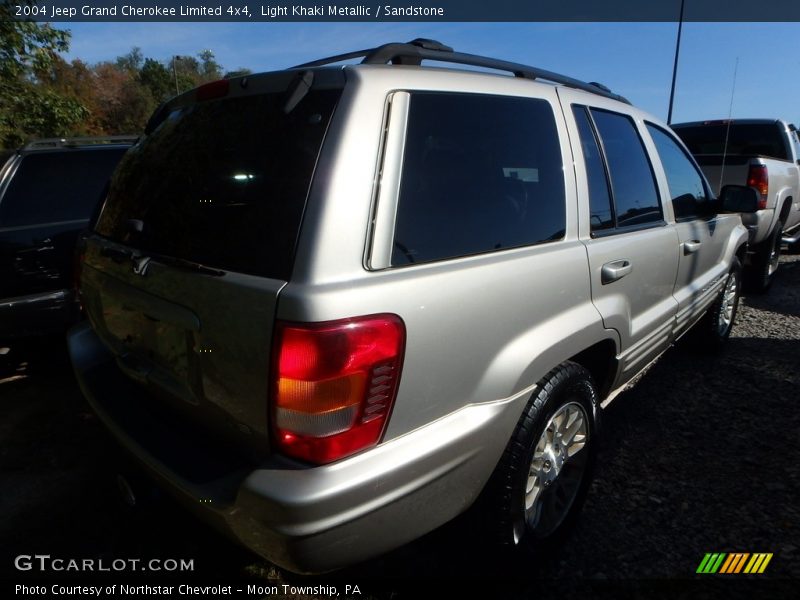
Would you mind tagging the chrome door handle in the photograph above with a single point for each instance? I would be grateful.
(691, 247)
(615, 270)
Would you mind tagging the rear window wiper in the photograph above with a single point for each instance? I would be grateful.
(186, 265)
(119, 255)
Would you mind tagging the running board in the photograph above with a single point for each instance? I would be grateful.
(791, 240)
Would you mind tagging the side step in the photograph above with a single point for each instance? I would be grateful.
(791, 240)
(793, 237)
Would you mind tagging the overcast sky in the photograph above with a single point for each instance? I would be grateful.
(633, 59)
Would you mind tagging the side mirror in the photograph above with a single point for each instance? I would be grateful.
(738, 198)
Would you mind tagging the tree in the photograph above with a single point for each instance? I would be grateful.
(43, 95)
(210, 69)
(123, 104)
(25, 45)
(27, 109)
(158, 79)
(240, 72)
(132, 61)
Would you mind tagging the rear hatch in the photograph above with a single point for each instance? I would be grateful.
(195, 241)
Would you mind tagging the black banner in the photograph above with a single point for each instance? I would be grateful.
(405, 10)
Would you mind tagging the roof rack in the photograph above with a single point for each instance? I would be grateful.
(75, 142)
(415, 51)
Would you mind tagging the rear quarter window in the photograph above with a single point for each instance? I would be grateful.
(480, 173)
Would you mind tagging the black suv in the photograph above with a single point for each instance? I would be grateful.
(48, 192)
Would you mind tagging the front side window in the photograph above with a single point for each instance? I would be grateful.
(480, 173)
(686, 188)
(632, 183)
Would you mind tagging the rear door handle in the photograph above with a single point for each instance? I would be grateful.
(691, 247)
(615, 270)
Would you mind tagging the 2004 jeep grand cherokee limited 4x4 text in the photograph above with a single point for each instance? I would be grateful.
(341, 303)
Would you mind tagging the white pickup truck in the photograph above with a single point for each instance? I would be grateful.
(760, 153)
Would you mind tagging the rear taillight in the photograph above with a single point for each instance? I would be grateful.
(758, 178)
(334, 385)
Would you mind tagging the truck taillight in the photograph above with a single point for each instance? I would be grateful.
(758, 178)
(334, 385)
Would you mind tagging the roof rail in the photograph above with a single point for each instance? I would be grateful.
(75, 142)
(415, 51)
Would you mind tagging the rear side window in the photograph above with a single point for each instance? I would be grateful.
(735, 139)
(480, 173)
(222, 183)
(602, 215)
(632, 182)
(57, 186)
(686, 188)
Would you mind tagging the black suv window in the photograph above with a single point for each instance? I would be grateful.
(689, 195)
(744, 139)
(632, 182)
(480, 173)
(602, 215)
(50, 187)
(222, 182)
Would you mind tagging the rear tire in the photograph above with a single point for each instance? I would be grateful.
(541, 480)
(765, 262)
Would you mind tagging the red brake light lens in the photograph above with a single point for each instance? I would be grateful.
(334, 385)
(758, 178)
(215, 89)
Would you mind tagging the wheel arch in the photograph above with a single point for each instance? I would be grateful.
(600, 359)
(785, 208)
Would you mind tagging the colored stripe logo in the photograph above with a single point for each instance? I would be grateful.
(734, 563)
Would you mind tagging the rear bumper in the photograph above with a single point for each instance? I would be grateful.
(38, 314)
(306, 519)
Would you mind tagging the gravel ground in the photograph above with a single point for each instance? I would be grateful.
(701, 455)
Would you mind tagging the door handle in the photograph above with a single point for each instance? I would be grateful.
(691, 247)
(615, 270)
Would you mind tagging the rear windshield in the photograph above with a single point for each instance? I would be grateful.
(57, 186)
(743, 139)
(222, 183)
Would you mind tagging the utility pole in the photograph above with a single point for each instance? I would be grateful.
(175, 73)
(675, 66)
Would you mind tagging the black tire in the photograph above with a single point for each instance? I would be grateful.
(764, 263)
(715, 327)
(567, 387)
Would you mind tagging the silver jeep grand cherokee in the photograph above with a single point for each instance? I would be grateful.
(331, 306)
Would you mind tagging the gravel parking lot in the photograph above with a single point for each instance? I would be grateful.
(702, 455)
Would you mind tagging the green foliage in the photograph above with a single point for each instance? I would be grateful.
(132, 61)
(210, 70)
(29, 111)
(26, 46)
(158, 79)
(26, 108)
(42, 95)
(240, 72)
